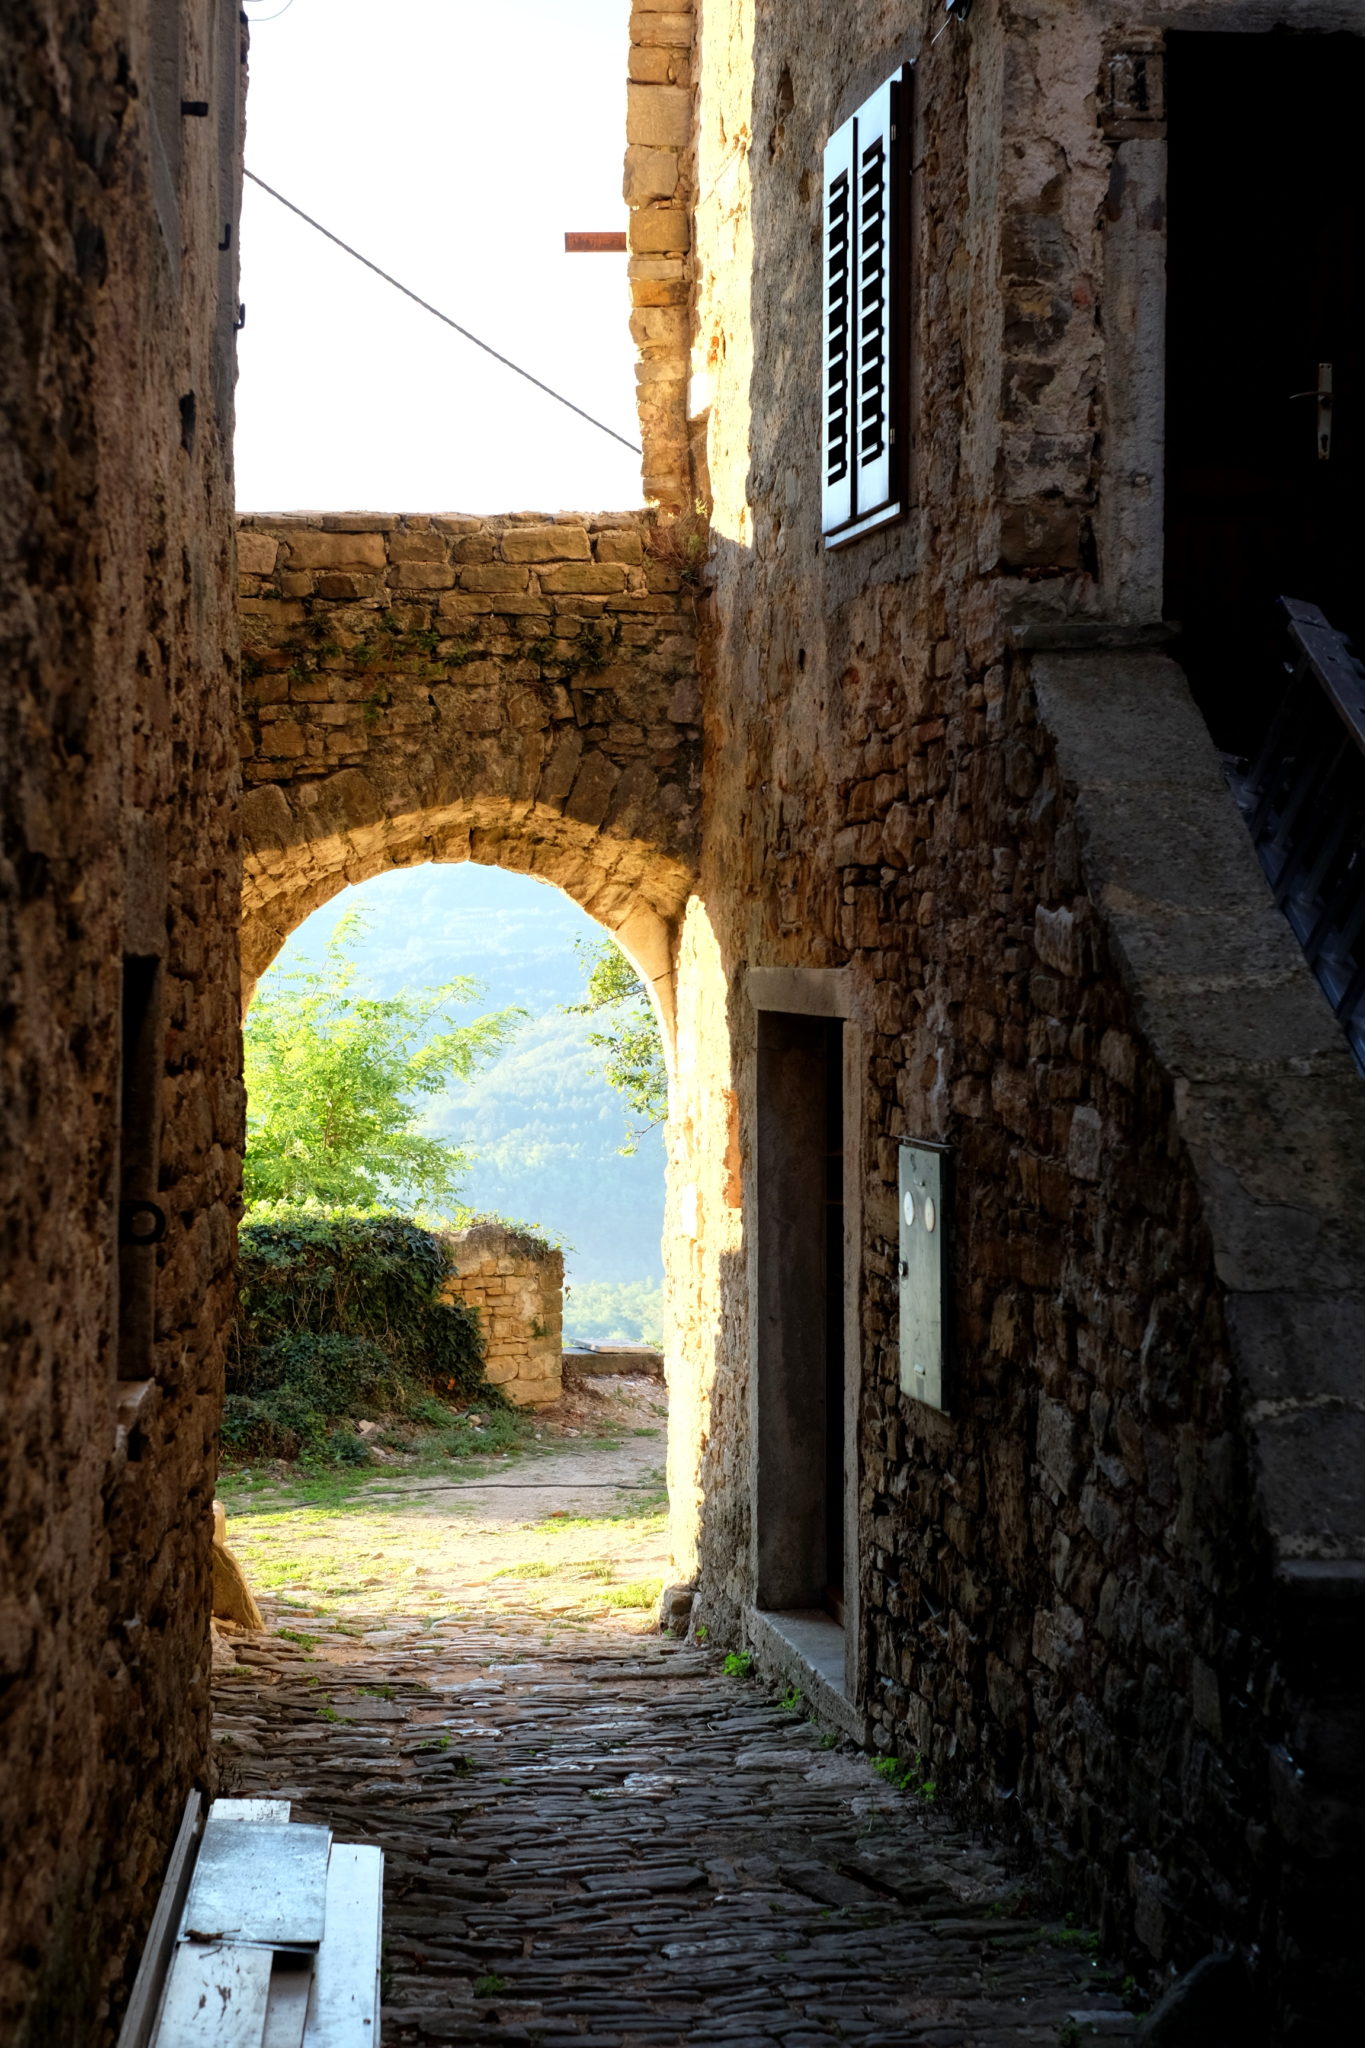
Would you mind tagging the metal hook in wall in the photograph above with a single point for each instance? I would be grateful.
(956, 10)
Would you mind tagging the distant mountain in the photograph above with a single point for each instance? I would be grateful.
(543, 1126)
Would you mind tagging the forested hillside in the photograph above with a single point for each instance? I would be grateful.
(542, 1126)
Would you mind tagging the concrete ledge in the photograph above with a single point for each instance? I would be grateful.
(604, 1361)
(808, 1647)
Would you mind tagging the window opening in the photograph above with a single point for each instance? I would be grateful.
(1255, 510)
(141, 1222)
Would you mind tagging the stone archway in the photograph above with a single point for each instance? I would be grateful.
(519, 691)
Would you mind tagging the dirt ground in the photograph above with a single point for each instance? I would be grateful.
(568, 1528)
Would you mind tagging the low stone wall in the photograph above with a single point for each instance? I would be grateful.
(517, 1285)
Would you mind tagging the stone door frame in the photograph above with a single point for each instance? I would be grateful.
(825, 1660)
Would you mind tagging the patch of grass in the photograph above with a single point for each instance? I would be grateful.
(907, 1775)
(455, 1449)
(489, 1986)
(328, 1714)
(295, 1635)
(791, 1702)
(533, 1568)
(738, 1664)
(1071, 1935)
(648, 1516)
(642, 1593)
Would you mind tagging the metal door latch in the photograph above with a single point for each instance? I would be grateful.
(1322, 391)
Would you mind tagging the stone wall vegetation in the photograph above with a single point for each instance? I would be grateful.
(342, 1317)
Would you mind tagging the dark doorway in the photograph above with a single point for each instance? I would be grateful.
(801, 1465)
(1266, 281)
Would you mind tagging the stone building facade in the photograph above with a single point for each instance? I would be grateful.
(120, 1108)
(516, 1282)
(970, 877)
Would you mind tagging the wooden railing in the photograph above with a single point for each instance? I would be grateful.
(1304, 802)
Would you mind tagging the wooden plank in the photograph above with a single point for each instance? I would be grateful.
(344, 2009)
(286, 2013)
(258, 1883)
(272, 1811)
(151, 1973)
(215, 1997)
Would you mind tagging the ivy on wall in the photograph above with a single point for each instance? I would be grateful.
(339, 1316)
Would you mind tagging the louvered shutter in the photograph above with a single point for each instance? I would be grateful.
(873, 426)
(839, 335)
(864, 373)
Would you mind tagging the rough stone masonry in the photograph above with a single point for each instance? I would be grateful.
(519, 690)
(516, 1282)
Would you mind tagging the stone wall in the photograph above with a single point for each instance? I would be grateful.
(118, 776)
(1080, 1588)
(658, 185)
(516, 1282)
(517, 690)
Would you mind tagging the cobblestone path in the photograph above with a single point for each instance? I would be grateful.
(603, 1841)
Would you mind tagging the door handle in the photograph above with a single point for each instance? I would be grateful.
(1322, 392)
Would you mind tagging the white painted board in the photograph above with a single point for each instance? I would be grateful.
(344, 2009)
(258, 1883)
(151, 1976)
(274, 1812)
(286, 2013)
(215, 1997)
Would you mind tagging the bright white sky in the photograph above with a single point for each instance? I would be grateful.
(453, 142)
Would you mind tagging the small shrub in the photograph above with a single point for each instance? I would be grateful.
(737, 1664)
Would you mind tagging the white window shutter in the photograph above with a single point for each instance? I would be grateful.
(839, 338)
(864, 449)
(874, 462)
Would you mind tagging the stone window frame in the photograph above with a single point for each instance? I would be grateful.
(826, 1662)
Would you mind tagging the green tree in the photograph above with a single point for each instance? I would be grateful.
(334, 1079)
(634, 1053)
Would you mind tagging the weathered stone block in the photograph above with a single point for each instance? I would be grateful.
(649, 174)
(546, 544)
(659, 229)
(421, 576)
(303, 550)
(603, 579)
(667, 26)
(658, 115)
(256, 552)
(494, 578)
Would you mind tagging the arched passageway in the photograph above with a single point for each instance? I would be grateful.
(518, 691)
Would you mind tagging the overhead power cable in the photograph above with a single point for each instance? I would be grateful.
(427, 306)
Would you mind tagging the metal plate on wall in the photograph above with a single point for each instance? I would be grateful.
(923, 1270)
